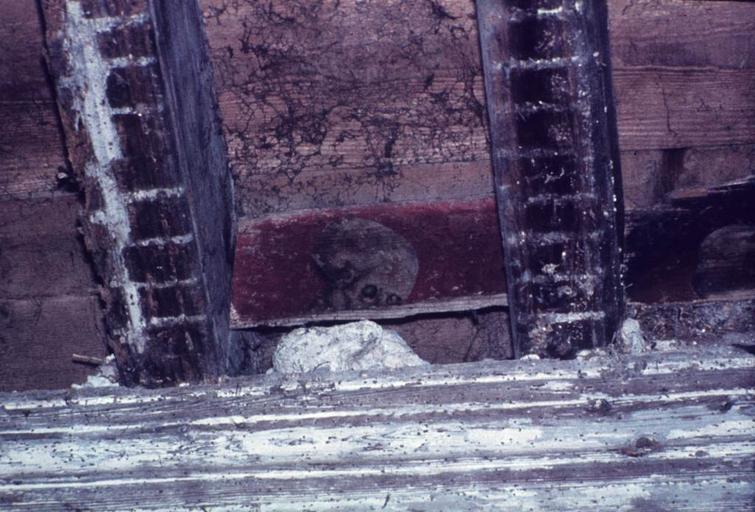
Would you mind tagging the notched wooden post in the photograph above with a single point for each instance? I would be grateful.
(135, 95)
(556, 165)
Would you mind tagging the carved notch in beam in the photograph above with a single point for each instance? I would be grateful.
(556, 165)
(135, 96)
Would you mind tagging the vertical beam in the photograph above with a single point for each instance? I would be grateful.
(555, 159)
(142, 135)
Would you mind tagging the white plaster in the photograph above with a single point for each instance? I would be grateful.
(89, 76)
(122, 62)
(565, 318)
(173, 320)
(155, 193)
(107, 23)
(165, 240)
(349, 347)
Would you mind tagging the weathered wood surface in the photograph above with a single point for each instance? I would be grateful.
(698, 321)
(663, 431)
(134, 91)
(555, 159)
(329, 104)
(31, 145)
(39, 335)
(41, 253)
(651, 177)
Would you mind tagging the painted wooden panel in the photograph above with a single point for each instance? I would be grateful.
(662, 431)
(455, 246)
(348, 263)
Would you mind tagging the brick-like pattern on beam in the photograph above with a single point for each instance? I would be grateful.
(555, 159)
(141, 216)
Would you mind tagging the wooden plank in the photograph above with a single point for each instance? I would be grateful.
(556, 167)
(322, 264)
(41, 253)
(658, 431)
(352, 82)
(38, 336)
(685, 33)
(31, 146)
(676, 108)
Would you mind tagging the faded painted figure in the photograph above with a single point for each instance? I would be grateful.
(365, 264)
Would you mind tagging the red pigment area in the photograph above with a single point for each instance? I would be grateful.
(457, 245)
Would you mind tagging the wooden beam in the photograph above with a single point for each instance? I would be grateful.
(556, 166)
(661, 431)
(135, 95)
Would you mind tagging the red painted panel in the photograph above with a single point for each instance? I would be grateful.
(322, 261)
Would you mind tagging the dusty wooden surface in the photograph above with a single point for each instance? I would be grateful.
(331, 104)
(341, 103)
(135, 97)
(687, 37)
(555, 158)
(47, 307)
(664, 431)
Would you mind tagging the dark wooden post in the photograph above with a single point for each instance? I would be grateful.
(556, 164)
(135, 96)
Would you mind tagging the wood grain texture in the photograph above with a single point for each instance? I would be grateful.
(654, 432)
(39, 335)
(682, 33)
(47, 310)
(331, 104)
(676, 108)
(31, 145)
(41, 253)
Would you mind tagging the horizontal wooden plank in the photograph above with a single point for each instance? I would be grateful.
(376, 102)
(31, 150)
(41, 253)
(677, 108)
(31, 146)
(321, 263)
(657, 431)
(681, 33)
(38, 337)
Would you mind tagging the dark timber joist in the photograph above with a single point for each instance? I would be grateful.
(555, 160)
(135, 96)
